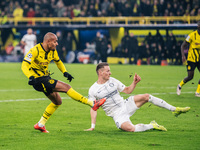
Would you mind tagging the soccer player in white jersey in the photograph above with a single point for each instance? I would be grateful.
(119, 109)
(29, 40)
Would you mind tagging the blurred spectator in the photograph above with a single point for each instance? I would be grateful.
(92, 12)
(18, 12)
(9, 48)
(28, 40)
(77, 11)
(149, 40)
(26, 9)
(133, 49)
(59, 48)
(30, 14)
(125, 43)
(126, 10)
(136, 10)
(111, 10)
(60, 9)
(118, 51)
(4, 18)
(90, 50)
(171, 45)
(97, 41)
(104, 5)
(67, 43)
(177, 54)
(45, 8)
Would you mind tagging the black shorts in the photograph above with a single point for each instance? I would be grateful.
(192, 65)
(45, 84)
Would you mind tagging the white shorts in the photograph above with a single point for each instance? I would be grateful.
(127, 110)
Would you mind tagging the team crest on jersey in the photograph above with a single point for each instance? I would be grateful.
(111, 84)
(51, 81)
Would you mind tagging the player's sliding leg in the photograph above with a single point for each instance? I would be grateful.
(76, 96)
(152, 125)
(180, 110)
(161, 103)
(157, 126)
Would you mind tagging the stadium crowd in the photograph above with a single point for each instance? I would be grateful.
(153, 48)
(98, 8)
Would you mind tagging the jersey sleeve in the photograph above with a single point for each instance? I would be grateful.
(90, 94)
(59, 63)
(120, 85)
(189, 38)
(28, 59)
(23, 38)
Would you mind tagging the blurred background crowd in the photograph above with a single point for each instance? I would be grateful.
(98, 8)
(152, 49)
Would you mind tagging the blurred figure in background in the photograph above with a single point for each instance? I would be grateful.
(28, 40)
(133, 49)
(193, 58)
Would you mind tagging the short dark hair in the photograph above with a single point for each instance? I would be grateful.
(101, 65)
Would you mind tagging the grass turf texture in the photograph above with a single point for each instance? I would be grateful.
(21, 107)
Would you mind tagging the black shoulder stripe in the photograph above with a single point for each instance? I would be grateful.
(37, 50)
(26, 61)
(57, 60)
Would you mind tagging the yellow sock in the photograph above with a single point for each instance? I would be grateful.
(181, 83)
(198, 89)
(76, 96)
(51, 108)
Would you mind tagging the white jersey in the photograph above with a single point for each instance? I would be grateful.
(109, 90)
(30, 40)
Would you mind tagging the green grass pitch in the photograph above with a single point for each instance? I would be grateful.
(21, 107)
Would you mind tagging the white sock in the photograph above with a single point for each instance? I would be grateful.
(143, 127)
(161, 103)
(40, 125)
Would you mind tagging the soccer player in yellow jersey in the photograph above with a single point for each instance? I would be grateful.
(35, 67)
(193, 59)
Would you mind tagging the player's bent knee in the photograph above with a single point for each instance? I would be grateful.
(146, 97)
(126, 126)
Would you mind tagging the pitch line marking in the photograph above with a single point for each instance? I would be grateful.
(22, 90)
(42, 99)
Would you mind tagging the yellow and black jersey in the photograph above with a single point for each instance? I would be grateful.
(36, 61)
(194, 50)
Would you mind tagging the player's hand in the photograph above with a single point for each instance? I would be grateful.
(31, 80)
(137, 78)
(90, 129)
(68, 76)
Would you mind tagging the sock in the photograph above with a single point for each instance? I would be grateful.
(161, 103)
(76, 96)
(51, 108)
(198, 89)
(143, 127)
(181, 83)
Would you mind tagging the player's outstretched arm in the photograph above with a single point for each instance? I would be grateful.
(93, 120)
(129, 89)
